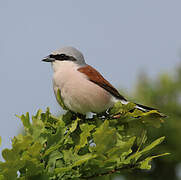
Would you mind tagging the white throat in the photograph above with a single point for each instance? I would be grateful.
(64, 65)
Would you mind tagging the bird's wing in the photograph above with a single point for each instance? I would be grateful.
(95, 77)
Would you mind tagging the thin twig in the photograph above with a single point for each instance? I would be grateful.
(111, 172)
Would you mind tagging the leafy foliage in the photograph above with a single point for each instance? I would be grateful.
(75, 147)
(164, 93)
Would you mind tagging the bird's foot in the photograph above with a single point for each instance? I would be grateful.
(77, 115)
(103, 115)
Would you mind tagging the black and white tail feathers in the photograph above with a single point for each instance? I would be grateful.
(139, 106)
(144, 108)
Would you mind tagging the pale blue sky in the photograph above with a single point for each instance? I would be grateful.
(118, 37)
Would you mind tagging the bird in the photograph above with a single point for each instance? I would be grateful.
(82, 88)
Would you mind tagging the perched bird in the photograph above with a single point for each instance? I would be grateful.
(82, 88)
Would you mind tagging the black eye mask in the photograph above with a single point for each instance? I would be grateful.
(62, 57)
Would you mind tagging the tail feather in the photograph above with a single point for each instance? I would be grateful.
(144, 108)
(140, 106)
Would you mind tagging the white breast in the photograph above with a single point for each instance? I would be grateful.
(78, 93)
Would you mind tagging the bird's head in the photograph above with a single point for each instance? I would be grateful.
(65, 55)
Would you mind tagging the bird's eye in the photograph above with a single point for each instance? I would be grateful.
(60, 57)
(52, 56)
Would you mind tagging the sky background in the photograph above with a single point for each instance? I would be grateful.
(120, 38)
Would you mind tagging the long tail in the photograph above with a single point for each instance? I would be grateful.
(139, 106)
(144, 108)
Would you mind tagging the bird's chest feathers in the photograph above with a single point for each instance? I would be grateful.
(78, 93)
(66, 75)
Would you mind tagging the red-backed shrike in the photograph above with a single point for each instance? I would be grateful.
(82, 88)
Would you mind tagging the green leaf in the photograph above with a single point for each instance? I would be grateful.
(119, 108)
(124, 147)
(116, 108)
(82, 159)
(25, 120)
(137, 155)
(21, 143)
(52, 160)
(68, 147)
(9, 169)
(153, 117)
(152, 145)
(145, 164)
(104, 138)
(59, 99)
(62, 170)
(86, 129)
(74, 125)
(129, 107)
(34, 150)
(2, 177)
(9, 155)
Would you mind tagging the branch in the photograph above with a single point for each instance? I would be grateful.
(128, 167)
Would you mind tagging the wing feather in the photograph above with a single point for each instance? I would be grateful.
(95, 77)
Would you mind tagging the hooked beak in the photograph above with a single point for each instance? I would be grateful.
(48, 59)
